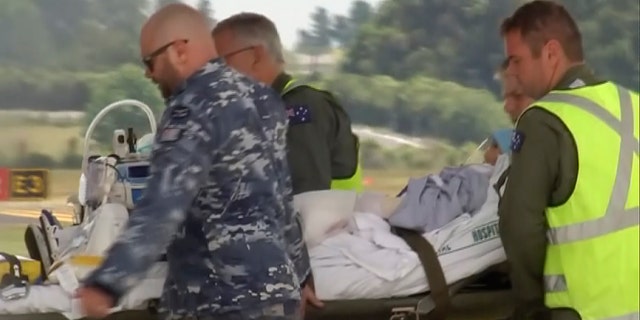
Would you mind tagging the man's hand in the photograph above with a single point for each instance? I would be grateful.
(95, 303)
(309, 296)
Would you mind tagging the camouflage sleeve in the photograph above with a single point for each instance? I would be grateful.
(179, 162)
(298, 249)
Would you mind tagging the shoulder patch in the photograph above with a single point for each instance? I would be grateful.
(298, 114)
(170, 134)
(517, 140)
(179, 112)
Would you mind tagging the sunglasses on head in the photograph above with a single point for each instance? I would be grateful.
(149, 59)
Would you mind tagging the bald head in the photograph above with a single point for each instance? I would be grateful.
(176, 21)
(174, 43)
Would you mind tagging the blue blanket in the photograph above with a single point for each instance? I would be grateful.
(428, 203)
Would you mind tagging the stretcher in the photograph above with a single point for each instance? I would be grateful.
(434, 304)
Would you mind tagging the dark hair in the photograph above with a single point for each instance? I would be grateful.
(540, 21)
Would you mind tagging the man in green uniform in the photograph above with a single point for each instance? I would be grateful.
(571, 236)
(323, 151)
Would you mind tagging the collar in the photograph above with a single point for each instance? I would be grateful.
(280, 82)
(211, 66)
(577, 76)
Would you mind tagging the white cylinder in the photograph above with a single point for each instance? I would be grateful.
(82, 189)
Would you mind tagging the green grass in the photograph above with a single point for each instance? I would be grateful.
(45, 139)
(12, 239)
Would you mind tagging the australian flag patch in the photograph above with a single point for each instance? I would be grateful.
(517, 140)
(298, 114)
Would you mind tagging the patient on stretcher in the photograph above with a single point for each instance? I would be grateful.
(430, 202)
(354, 254)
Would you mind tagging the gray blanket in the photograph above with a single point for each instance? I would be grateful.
(432, 201)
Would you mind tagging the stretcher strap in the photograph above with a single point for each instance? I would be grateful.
(501, 181)
(432, 268)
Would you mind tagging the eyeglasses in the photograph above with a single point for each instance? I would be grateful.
(233, 53)
(149, 59)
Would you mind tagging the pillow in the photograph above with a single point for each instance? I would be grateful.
(323, 212)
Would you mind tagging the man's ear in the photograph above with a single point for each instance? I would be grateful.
(180, 50)
(553, 51)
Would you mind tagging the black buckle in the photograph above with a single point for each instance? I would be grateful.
(14, 291)
(14, 285)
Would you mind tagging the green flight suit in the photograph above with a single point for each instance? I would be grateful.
(321, 144)
(543, 174)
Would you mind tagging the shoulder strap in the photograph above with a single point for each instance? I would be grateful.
(432, 269)
(501, 181)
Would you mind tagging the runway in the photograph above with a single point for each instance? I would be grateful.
(19, 216)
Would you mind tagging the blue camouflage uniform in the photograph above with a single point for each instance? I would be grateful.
(219, 200)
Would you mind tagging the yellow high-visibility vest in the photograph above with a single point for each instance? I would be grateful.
(352, 183)
(592, 256)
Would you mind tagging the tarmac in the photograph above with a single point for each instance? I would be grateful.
(22, 212)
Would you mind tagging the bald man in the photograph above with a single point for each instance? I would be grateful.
(219, 198)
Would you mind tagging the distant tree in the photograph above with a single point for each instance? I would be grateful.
(205, 7)
(341, 30)
(345, 28)
(317, 40)
(321, 29)
(360, 13)
(127, 82)
(459, 40)
(24, 35)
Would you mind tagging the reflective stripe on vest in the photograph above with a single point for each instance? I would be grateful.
(600, 221)
(352, 183)
(616, 217)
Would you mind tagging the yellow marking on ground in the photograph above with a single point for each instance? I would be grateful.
(35, 214)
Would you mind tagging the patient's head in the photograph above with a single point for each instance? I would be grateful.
(515, 100)
(500, 144)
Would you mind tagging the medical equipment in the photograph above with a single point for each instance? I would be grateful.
(116, 178)
(119, 177)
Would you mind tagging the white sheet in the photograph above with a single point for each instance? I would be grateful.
(380, 265)
(54, 299)
(368, 262)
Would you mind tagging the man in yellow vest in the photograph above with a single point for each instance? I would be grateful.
(323, 151)
(569, 214)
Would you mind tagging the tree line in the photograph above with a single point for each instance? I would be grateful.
(419, 67)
